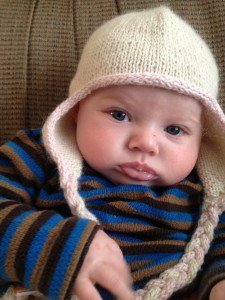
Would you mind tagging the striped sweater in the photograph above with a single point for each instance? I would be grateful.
(43, 246)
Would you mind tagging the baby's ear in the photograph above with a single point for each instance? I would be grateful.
(75, 110)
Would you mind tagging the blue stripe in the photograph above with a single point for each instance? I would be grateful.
(43, 195)
(28, 160)
(124, 237)
(96, 202)
(144, 257)
(109, 190)
(164, 259)
(6, 239)
(35, 132)
(111, 218)
(37, 246)
(117, 189)
(65, 259)
(222, 218)
(219, 232)
(149, 211)
(180, 236)
(167, 215)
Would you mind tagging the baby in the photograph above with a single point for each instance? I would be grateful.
(138, 150)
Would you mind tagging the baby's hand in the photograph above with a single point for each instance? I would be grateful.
(104, 264)
(218, 291)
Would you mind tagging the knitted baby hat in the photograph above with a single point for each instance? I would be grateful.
(155, 48)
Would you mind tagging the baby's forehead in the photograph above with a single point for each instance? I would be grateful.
(144, 93)
(145, 100)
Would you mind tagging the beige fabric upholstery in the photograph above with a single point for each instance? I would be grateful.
(41, 42)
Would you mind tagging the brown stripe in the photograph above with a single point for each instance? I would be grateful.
(123, 209)
(9, 194)
(131, 196)
(26, 139)
(7, 202)
(43, 258)
(8, 215)
(15, 244)
(90, 185)
(35, 151)
(145, 236)
(170, 203)
(7, 170)
(219, 237)
(20, 193)
(17, 177)
(143, 276)
(77, 260)
(180, 204)
(154, 247)
(128, 227)
(56, 251)
(136, 265)
(17, 161)
(155, 221)
(215, 254)
(26, 233)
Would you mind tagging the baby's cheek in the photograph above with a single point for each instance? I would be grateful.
(181, 166)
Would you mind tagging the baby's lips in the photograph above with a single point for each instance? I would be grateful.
(138, 175)
(137, 171)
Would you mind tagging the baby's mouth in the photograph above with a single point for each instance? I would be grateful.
(138, 171)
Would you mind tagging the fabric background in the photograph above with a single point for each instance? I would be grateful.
(41, 42)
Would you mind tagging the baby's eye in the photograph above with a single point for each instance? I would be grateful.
(174, 130)
(119, 115)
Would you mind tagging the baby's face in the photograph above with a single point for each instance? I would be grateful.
(140, 135)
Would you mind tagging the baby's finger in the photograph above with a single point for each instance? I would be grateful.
(111, 280)
(84, 289)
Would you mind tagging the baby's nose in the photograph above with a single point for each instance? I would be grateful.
(144, 141)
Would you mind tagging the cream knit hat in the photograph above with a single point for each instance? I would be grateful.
(156, 48)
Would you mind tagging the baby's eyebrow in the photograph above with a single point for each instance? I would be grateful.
(119, 98)
(191, 119)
